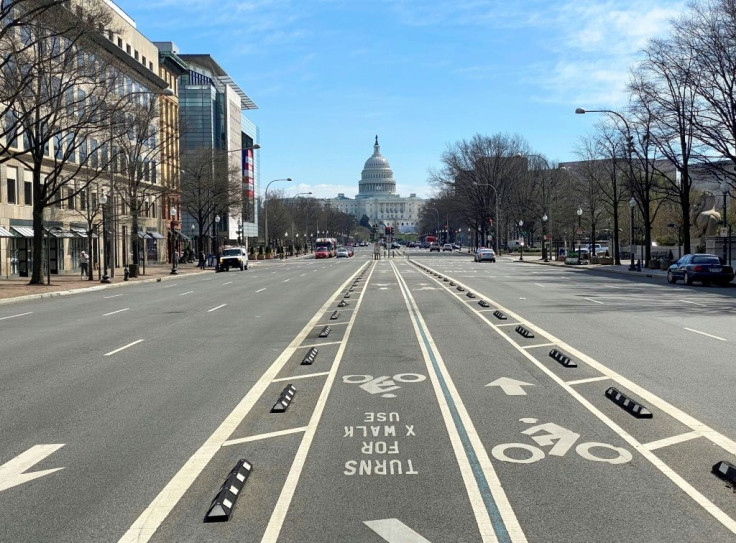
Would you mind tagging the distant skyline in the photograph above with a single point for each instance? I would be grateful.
(328, 75)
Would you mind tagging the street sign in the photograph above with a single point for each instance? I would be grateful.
(724, 232)
(579, 230)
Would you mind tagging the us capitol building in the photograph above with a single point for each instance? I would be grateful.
(377, 197)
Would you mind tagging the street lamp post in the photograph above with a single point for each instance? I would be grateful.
(724, 235)
(239, 232)
(194, 247)
(521, 245)
(629, 151)
(545, 252)
(632, 205)
(580, 233)
(497, 224)
(105, 252)
(265, 208)
(174, 252)
(217, 228)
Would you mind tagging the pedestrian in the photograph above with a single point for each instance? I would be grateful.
(201, 260)
(83, 263)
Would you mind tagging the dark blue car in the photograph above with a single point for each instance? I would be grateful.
(700, 267)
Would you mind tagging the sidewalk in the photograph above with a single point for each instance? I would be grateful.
(17, 288)
(623, 268)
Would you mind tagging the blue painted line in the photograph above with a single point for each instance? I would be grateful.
(495, 515)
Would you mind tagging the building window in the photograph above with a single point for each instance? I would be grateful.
(136, 55)
(127, 48)
(120, 43)
(28, 193)
(143, 60)
(11, 190)
(70, 198)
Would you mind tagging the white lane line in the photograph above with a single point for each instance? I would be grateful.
(393, 530)
(319, 344)
(704, 334)
(308, 376)
(505, 324)
(216, 308)
(18, 315)
(154, 515)
(261, 290)
(185, 293)
(707, 432)
(672, 440)
(694, 303)
(113, 296)
(540, 285)
(208, 279)
(331, 323)
(540, 345)
(484, 489)
(264, 436)
(226, 283)
(278, 514)
(118, 311)
(123, 347)
(594, 301)
(286, 280)
(175, 284)
(302, 275)
(588, 380)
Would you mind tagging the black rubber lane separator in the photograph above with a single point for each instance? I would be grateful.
(446, 280)
(308, 359)
(726, 471)
(334, 315)
(499, 315)
(222, 506)
(524, 332)
(325, 331)
(342, 303)
(347, 295)
(563, 359)
(635, 408)
(452, 283)
(460, 289)
(470, 295)
(284, 401)
(483, 303)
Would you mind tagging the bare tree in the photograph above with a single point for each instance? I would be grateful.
(54, 90)
(210, 186)
(663, 88)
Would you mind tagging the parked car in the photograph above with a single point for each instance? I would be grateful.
(321, 252)
(447, 247)
(434, 247)
(233, 257)
(702, 267)
(485, 254)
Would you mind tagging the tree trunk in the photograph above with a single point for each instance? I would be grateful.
(38, 207)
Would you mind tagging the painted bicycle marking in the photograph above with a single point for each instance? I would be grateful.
(383, 385)
(560, 440)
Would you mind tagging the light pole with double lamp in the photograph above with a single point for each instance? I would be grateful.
(265, 207)
(105, 241)
(521, 245)
(174, 252)
(217, 233)
(580, 233)
(497, 223)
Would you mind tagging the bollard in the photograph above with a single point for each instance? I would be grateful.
(126, 273)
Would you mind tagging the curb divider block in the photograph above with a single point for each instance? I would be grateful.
(563, 359)
(342, 303)
(499, 315)
(483, 303)
(284, 401)
(308, 360)
(334, 315)
(222, 506)
(635, 408)
(524, 332)
(452, 283)
(470, 295)
(460, 289)
(726, 471)
(325, 331)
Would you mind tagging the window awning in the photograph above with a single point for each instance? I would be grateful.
(82, 232)
(155, 235)
(183, 236)
(143, 235)
(5, 233)
(61, 233)
(23, 231)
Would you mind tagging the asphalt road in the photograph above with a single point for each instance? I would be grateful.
(423, 416)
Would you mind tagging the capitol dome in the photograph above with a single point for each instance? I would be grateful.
(377, 178)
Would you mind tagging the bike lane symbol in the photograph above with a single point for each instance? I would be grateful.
(383, 385)
(561, 440)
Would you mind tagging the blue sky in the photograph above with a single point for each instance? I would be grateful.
(328, 75)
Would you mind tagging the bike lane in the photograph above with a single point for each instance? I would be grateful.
(382, 466)
(568, 475)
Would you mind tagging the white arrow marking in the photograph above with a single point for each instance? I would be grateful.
(11, 473)
(394, 531)
(511, 387)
